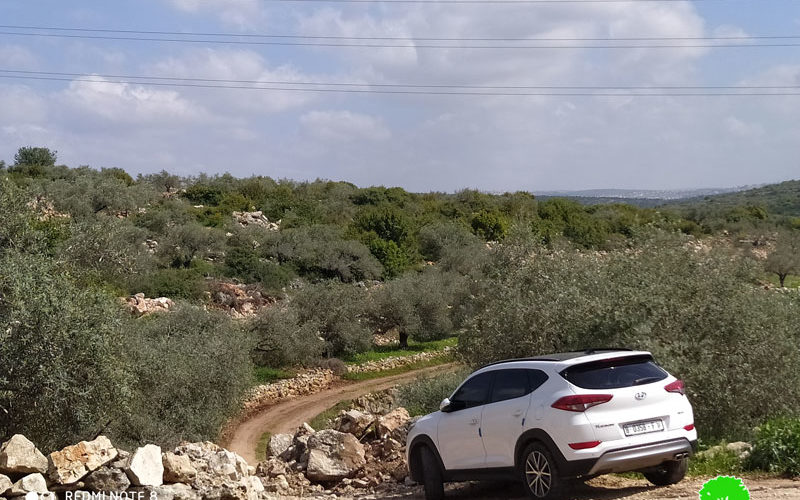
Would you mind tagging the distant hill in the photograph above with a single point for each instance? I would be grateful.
(645, 198)
(776, 199)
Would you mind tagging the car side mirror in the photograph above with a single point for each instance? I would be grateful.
(448, 406)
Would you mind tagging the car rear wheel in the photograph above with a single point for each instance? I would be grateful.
(432, 480)
(539, 473)
(669, 473)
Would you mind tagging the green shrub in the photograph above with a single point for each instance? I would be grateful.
(63, 374)
(172, 283)
(282, 340)
(776, 447)
(182, 390)
(339, 311)
(490, 225)
(321, 252)
(720, 462)
(424, 394)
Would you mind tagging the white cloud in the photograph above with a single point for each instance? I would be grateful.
(240, 65)
(744, 129)
(128, 103)
(242, 14)
(19, 105)
(344, 126)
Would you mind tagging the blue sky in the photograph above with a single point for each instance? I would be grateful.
(421, 142)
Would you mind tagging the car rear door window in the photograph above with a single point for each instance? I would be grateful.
(615, 373)
(475, 391)
(510, 384)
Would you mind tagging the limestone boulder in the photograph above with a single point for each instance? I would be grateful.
(333, 455)
(32, 483)
(74, 462)
(278, 444)
(177, 468)
(5, 484)
(146, 468)
(354, 422)
(393, 424)
(20, 456)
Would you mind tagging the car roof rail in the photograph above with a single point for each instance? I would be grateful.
(593, 350)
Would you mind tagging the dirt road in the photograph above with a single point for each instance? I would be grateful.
(286, 416)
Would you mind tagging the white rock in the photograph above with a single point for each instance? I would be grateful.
(28, 484)
(333, 455)
(146, 468)
(20, 456)
(278, 444)
(5, 484)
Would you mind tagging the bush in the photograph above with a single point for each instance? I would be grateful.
(776, 447)
(62, 375)
(701, 315)
(423, 395)
(182, 390)
(338, 310)
(282, 340)
(171, 283)
(244, 264)
(490, 225)
(321, 252)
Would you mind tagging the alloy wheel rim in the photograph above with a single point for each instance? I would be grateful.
(538, 474)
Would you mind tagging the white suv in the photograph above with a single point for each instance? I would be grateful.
(547, 419)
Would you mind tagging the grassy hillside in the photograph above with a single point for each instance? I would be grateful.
(778, 200)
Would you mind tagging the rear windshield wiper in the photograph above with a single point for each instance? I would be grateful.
(646, 380)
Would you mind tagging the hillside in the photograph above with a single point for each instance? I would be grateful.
(777, 199)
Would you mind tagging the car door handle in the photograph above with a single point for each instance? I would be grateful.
(517, 413)
(474, 421)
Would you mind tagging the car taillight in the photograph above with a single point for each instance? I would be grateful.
(581, 402)
(584, 446)
(689, 427)
(676, 387)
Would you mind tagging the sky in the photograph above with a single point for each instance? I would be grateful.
(93, 112)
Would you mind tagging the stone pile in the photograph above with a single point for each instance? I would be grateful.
(240, 301)
(257, 219)
(193, 471)
(362, 452)
(396, 361)
(139, 305)
(45, 209)
(303, 384)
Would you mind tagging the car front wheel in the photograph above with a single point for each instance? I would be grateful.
(432, 480)
(539, 473)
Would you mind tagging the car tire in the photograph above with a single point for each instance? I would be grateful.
(432, 479)
(669, 473)
(539, 473)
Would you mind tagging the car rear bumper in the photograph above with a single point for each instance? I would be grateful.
(642, 457)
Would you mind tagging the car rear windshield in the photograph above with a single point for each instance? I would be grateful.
(615, 373)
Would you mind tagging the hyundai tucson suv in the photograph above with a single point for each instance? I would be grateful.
(547, 420)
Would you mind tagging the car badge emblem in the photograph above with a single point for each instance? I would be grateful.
(640, 395)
